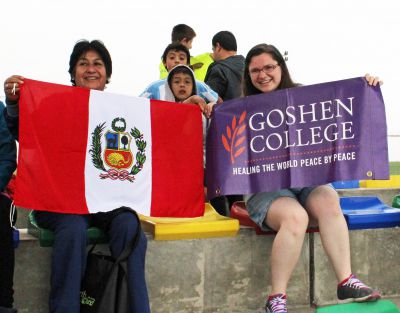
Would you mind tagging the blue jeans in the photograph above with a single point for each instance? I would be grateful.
(69, 256)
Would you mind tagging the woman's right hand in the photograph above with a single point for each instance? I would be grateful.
(12, 86)
(373, 80)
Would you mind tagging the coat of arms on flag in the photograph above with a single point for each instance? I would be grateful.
(118, 156)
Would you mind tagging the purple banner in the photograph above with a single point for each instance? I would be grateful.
(298, 137)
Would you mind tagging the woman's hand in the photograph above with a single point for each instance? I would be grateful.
(373, 80)
(208, 109)
(12, 86)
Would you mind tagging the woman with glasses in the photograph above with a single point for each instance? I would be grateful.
(290, 211)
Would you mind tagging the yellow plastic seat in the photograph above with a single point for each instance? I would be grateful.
(393, 182)
(210, 225)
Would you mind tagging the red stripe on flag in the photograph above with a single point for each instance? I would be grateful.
(177, 158)
(64, 136)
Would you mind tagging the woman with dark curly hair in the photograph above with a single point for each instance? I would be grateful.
(90, 67)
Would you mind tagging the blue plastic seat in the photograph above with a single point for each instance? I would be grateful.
(368, 212)
(348, 184)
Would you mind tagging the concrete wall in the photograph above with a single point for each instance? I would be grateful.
(187, 276)
(375, 255)
(230, 274)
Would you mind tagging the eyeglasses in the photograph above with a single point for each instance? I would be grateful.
(266, 69)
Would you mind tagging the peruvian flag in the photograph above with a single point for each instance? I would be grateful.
(86, 151)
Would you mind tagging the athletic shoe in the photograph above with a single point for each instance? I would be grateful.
(276, 304)
(352, 289)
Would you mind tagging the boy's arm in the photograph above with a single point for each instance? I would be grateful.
(206, 92)
(153, 90)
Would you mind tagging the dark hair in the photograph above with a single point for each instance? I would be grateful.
(226, 40)
(286, 80)
(180, 68)
(182, 31)
(82, 47)
(176, 46)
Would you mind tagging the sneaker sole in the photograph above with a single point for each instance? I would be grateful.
(370, 298)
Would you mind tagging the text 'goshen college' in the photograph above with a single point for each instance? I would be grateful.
(303, 114)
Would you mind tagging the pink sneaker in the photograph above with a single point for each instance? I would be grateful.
(276, 304)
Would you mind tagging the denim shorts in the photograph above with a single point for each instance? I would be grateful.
(259, 203)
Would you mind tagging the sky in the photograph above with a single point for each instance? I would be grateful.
(326, 40)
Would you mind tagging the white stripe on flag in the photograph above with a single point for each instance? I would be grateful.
(107, 194)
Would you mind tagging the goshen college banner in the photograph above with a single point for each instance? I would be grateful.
(298, 137)
(86, 151)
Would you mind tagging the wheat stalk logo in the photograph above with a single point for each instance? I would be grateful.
(234, 139)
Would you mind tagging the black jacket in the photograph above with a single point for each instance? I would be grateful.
(8, 151)
(225, 77)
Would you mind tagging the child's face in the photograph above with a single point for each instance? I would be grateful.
(182, 86)
(174, 58)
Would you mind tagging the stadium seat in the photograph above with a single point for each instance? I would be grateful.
(347, 184)
(210, 225)
(393, 182)
(46, 236)
(381, 306)
(360, 213)
(368, 212)
(396, 202)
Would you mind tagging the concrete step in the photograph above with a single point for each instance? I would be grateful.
(227, 274)
(230, 274)
(203, 275)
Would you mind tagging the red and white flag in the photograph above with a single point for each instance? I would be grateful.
(86, 151)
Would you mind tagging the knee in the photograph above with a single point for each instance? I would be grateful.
(126, 223)
(296, 222)
(325, 203)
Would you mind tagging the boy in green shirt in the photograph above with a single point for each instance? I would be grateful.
(184, 34)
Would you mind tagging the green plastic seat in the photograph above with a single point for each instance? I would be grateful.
(380, 306)
(396, 202)
(46, 236)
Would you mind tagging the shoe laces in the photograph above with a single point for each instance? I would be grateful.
(277, 304)
(354, 282)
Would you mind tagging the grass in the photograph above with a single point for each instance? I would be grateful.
(394, 168)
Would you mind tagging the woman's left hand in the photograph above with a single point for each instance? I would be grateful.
(208, 109)
(373, 80)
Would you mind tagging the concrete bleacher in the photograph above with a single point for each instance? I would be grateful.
(230, 274)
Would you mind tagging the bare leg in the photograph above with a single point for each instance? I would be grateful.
(323, 206)
(290, 220)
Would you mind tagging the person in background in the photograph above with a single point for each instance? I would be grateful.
(225, 74)
(90, 66)
(225, 77)
(290, 211)
(8, 154)
(184, 34)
